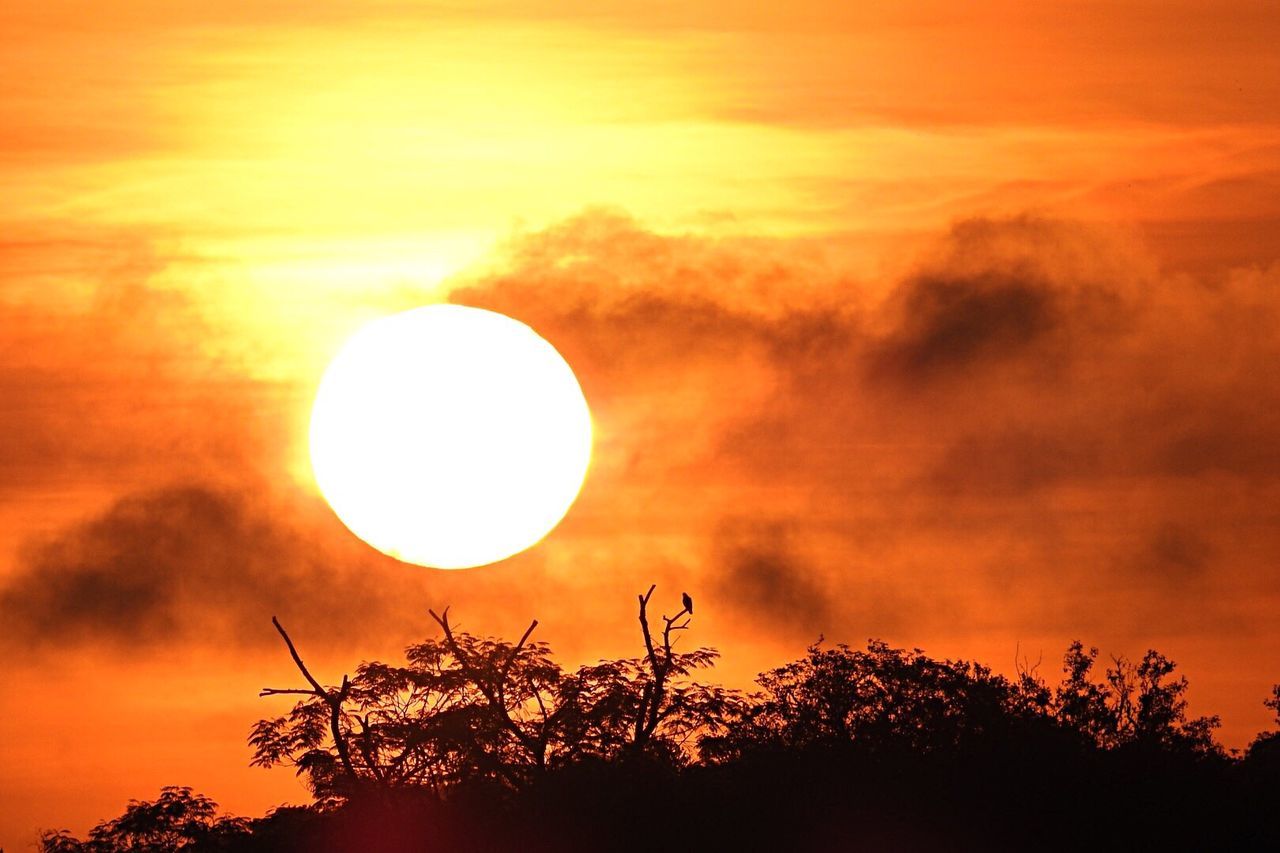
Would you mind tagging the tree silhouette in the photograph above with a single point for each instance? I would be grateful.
(476, 743)
(878, 699)
(1135, 706)
(465, 708)
(883, 698)
(177, 820)
(1264, 752)
(1082, 705)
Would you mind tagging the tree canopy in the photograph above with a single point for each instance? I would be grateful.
(480, 743)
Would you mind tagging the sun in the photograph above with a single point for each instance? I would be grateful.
(450, 436)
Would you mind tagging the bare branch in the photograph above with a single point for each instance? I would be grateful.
(520, 645)
(644, 626)
(297, 659)
(329, 697)
(649, 714)
(666, 634)
(441, 619)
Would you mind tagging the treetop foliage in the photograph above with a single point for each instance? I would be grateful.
(177, 820)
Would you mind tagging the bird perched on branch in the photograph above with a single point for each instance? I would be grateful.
(687, 602)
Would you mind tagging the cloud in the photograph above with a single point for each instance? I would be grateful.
(194, 564)
(949, 325)
(1023, 293)
(1244, 447)
(108, 376)
(1030, 429)
(1015, 461)
(761, 576)
(202, 566)
(1179, 553)
(1029, 401)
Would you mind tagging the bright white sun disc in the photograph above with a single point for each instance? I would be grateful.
(449, 436)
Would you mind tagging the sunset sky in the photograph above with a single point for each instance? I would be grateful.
(956, 325)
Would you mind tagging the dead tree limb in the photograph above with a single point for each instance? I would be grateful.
(644, 626)
(334, 699)
(648, 715)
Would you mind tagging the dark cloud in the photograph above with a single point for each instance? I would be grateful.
(791, 581)
(1245, 448)
(760, 575)
(949, 326)
(198, 566)
(193, 564)
(1014, 299)
(1179, 553)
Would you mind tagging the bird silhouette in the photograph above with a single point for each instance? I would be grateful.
(687, 602)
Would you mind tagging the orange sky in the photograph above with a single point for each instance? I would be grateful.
(954, 325)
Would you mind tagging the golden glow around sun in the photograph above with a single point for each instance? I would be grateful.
(449, 436)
